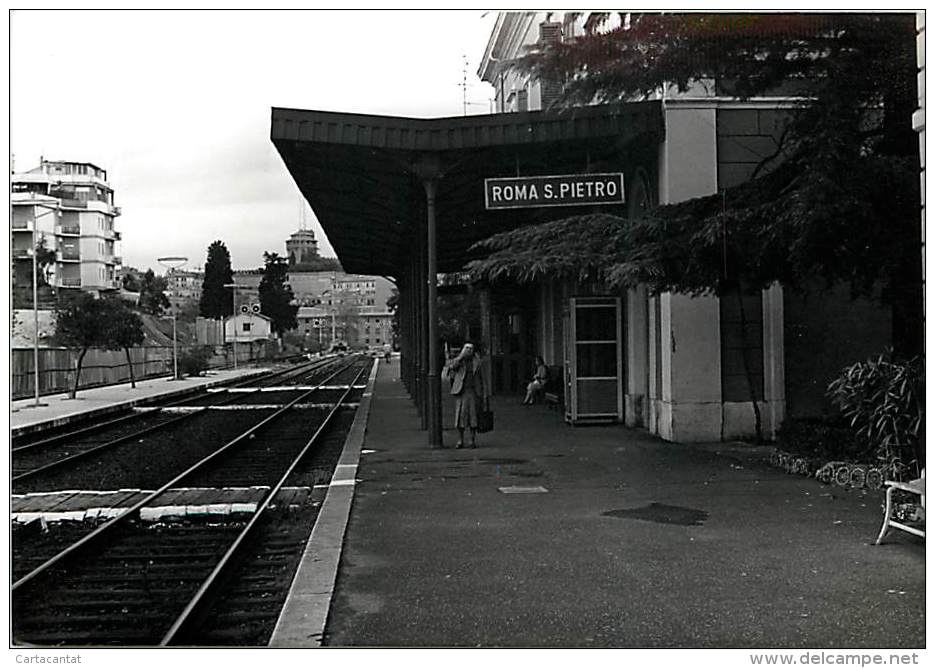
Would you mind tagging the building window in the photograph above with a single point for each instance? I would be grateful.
(246, 327)
(741, 347)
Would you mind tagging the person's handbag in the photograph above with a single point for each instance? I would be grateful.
(485, 421)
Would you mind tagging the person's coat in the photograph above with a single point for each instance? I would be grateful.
(457, 370)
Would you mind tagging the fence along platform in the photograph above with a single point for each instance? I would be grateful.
(107, 367)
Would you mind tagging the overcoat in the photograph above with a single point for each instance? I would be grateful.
(456, 370)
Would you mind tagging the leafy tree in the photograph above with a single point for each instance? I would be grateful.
(78, 325)
(22, 276)
(132, 280)
(45, 258)
(276, 296)
(392, 305)
(122, 329)
(838, 200)
(85, 322)
(216, 300)
(188, 311)
(152, 288)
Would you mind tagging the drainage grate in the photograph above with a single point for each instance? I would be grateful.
(661, 513)
(523, 490)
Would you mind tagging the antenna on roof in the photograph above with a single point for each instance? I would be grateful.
(301, 214)
(464, 84)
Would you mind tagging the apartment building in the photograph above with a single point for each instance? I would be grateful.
(70, 208)
(367, 326)
(183, 287)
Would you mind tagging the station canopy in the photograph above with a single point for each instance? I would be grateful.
(363, 175)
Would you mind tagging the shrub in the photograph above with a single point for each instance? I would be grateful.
(825, 438)
(194, 362)
(884, 400)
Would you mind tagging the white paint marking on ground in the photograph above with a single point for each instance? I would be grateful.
(284, 388)
(367, 452)
(523, 490)
(247, 407)
(150, 513)
(340, 483)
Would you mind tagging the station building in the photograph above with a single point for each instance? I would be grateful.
(406, 198)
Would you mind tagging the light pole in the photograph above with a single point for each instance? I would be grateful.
(334, 308)
(174, 262)
(233, 286)
(35, 295)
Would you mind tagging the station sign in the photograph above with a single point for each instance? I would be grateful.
(563, 190)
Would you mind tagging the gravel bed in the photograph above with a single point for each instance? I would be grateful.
(150, 461)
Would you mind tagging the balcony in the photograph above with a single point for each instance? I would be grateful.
(69, 257)
(116, 210)
(69, 282)
(74, 204)
(20, 224)
(117, 235)
(69, 230)
(118, 259)
(20, 253)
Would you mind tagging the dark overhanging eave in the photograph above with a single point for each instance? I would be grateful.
(356, 170)
(461, 132)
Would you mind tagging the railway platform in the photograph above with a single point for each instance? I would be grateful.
(60, 410)
(553, 536)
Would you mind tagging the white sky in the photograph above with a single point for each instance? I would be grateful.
(176, 107)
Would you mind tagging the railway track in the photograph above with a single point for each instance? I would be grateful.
(61, 450)
(55, 435)
(131, 582)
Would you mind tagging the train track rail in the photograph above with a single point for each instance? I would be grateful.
(52, 436)
(62, 450)
(129, 582)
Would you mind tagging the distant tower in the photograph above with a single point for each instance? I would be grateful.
(301, 247)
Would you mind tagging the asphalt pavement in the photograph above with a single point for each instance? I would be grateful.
(637, 543)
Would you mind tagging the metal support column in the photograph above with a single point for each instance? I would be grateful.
(422, 326)
(433, 386)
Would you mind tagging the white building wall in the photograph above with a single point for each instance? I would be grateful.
(259, 328)
(688, 408)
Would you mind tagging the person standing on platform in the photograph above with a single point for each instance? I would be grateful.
(470, 389)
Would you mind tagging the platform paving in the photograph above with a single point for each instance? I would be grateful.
(59, 409)
(637, 543)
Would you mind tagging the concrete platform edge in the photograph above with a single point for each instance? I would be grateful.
(114, 408)
(302, 621)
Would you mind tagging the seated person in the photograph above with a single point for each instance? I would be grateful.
(537, 384)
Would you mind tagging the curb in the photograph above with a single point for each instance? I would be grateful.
(302, 620)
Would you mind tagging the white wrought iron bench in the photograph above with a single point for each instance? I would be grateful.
(917, 487)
